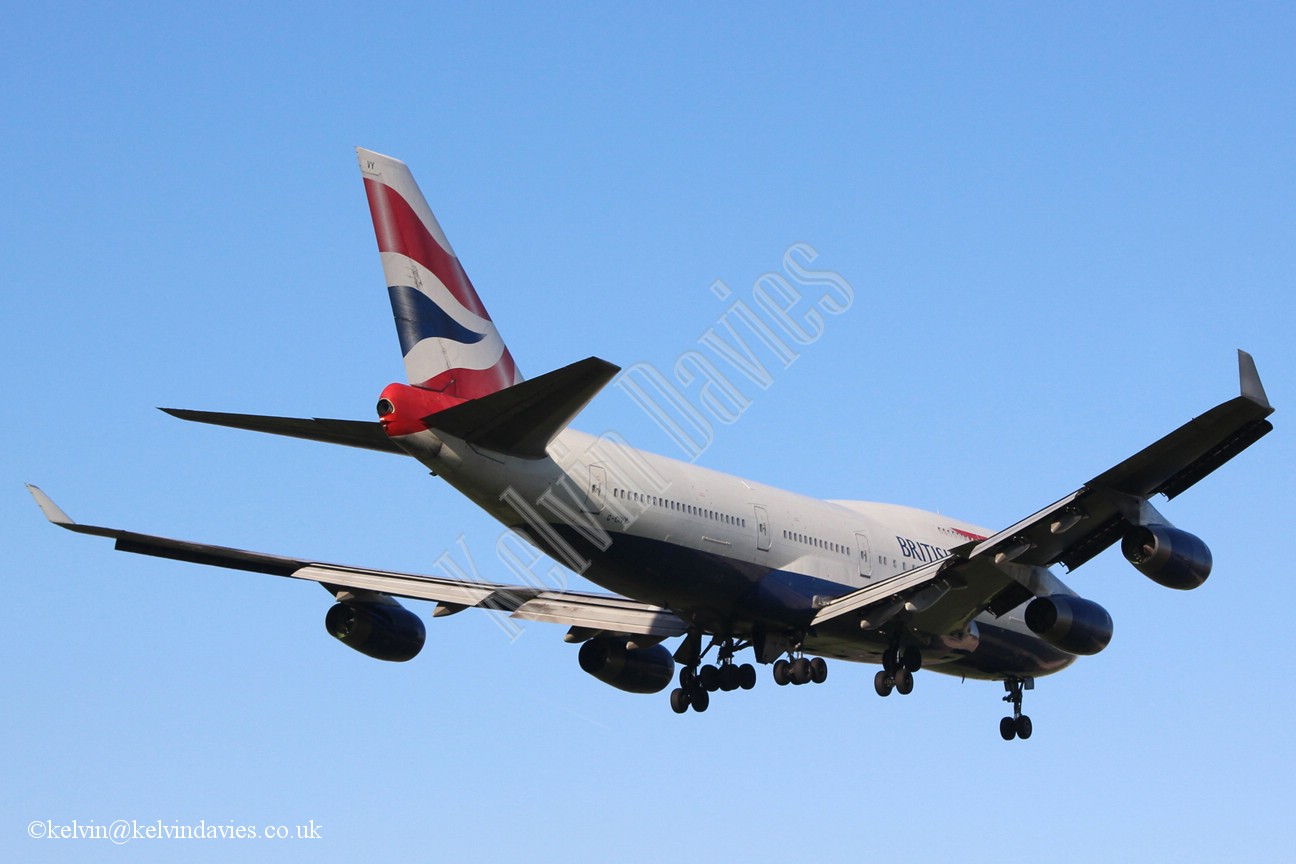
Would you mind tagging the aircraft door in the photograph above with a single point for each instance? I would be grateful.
(865, 554)
(762, 529)
(597, 485)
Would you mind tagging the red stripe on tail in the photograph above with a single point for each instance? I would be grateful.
(399, 229)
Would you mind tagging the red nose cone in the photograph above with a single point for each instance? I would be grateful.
(401, 408)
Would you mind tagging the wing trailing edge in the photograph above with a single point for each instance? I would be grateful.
(1195, 449)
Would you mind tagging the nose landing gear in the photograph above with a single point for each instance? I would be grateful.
(1018, 725)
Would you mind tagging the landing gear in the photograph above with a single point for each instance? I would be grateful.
(898, 667)
(800, 670)
(1018, 725)
(697, 684)
(679, 700)
(691, 693)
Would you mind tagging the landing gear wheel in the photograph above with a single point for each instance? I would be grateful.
(700, 699)
(679, 700)
(891, 660)
(903, 681)
(747, 676)
(781, 672)
(687, 678)
(1008, 728)
(800, 671)
(818, 670)
(709, 678)
(729, 677)
(1018, 725)
(883, 683)
(912, 659)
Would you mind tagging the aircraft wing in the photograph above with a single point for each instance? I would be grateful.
(587, 611)
(1007, 569)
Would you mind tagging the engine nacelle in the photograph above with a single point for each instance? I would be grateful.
(1075, 625)
(635, 670)
(1168, 556)
(384, 631)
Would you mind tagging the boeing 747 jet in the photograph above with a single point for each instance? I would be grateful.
(722, 564)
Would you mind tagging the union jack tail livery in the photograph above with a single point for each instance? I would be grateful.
(448, 339)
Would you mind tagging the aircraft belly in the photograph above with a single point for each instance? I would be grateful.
(716, 589)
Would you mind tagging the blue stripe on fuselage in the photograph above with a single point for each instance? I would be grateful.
(686, 580)
(714, 591)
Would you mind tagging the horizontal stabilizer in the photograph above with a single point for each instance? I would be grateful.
(352, 433)
(521, 420)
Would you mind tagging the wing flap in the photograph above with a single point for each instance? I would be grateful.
(1198, 447)
(613, 614)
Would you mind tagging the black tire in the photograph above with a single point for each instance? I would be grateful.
(800, 671)
(882, 683)
(912, 659)
(904, 681)
(729, 679)
(747, 676)
(1008, 728)
(1023, 727)
(781, 672)
(687, 678)
(818, 670)
(700, 700)
(679, 700)
(709, 678)
(891, 660)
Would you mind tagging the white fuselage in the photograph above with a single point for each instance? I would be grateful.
(721, 552)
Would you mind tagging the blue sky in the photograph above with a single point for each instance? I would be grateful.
(1059, 224)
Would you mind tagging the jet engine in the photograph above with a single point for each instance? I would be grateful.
(635, 670)
(1168, 556)
(384, 631)
(1075, 625)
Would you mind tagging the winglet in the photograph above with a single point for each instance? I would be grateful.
(49, 508)
(1251, 387)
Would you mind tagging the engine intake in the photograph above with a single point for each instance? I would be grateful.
(1168, 556)
(634, 670)
(384, 631)
(1075, 625)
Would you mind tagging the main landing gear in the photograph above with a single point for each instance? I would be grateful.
(800, 670)
(897, 670)
(1018, 725)
(697, 684)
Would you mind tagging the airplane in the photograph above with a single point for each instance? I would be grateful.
(722, 563)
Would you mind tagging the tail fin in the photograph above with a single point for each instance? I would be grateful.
(449, 341)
